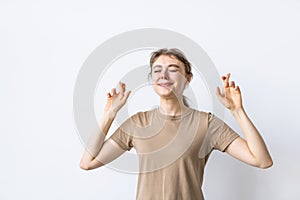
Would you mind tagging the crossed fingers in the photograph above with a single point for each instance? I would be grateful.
(228, 84)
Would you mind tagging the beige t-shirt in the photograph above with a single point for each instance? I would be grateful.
(172, 151)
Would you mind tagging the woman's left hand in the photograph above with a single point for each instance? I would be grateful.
(231, 95)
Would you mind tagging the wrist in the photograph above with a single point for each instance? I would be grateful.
(237, 112)
(110, 113)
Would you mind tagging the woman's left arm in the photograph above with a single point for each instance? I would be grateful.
(253, 150)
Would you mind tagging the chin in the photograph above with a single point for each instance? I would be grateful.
(165, 93)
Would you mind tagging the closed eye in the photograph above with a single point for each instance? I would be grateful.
(173, 70)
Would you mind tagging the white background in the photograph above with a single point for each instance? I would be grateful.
(43, 45)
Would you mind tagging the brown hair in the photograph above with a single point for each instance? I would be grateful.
(179, 55)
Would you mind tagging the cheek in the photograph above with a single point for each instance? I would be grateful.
(154, 76)
(178, 77)
(180, 82)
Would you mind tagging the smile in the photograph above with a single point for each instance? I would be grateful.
(165, 84)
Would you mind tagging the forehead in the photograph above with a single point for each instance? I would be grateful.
(167, 59)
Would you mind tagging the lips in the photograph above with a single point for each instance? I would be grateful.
(165, 84)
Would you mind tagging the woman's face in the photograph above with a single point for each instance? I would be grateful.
(168, 76)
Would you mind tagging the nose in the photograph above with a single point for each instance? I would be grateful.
(164, 74)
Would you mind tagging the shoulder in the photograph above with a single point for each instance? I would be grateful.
(143, 118)
(207, 117)
(205, 114)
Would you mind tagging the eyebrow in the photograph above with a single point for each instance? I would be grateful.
(171, 65)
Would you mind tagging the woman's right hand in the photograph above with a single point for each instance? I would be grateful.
(115, 101)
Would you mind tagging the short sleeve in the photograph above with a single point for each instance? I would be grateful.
(123, 139)
(122, 135)
(220, 134)
(134, 127)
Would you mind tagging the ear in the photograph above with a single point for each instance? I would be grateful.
(188, 77)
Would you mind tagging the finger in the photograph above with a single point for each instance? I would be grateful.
(232, 84)
(122, 87)
(237, 88)
(228, 75)
(113, 92)
(108, 95)
(226, 80)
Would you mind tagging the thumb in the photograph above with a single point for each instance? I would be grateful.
(218, 92)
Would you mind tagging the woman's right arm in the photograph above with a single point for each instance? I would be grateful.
(97, 152)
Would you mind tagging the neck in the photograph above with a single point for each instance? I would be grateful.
(171, 106)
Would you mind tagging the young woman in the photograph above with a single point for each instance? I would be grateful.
(174, 141)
